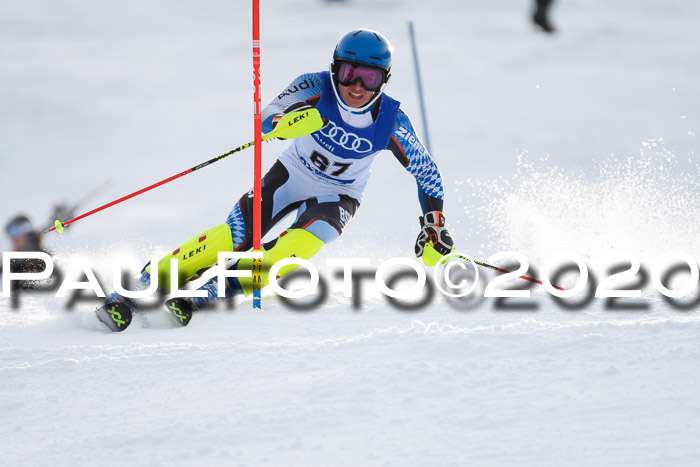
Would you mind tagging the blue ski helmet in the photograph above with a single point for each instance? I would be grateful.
(364, 46)
(20, 225)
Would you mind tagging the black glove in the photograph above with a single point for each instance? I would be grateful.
(433, 230)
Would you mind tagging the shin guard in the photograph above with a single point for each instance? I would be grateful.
(195, 255)
(292, 243)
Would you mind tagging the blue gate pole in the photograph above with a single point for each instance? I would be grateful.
(419, 85)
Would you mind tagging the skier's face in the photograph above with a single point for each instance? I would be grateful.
(19, 242)
(355, 95)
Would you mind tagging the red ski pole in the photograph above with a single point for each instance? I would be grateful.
(292, 125)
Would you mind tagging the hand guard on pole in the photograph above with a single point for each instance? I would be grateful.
(434, 233)
(296, 107)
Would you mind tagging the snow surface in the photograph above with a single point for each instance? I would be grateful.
(584, 142)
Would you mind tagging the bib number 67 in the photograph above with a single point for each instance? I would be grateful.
(323, 164)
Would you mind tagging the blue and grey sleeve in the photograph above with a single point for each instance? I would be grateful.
(412, 154)
(306, 89)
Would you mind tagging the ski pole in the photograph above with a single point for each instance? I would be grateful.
(505, 271)
(60, 210)
(291, 125)
(431, 253)
(88, 196)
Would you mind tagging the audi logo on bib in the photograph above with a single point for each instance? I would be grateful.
(346, 140)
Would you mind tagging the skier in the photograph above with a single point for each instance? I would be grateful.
(24, 238)
(322, 176)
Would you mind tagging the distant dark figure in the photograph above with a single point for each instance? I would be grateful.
(24, 238)
(21, 232)
(541, 16)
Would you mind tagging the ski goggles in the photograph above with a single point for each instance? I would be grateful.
(370, 78)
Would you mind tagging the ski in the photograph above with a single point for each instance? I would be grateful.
(115, 315)
(180, 309)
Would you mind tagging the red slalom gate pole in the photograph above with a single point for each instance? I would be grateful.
(257, 121)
